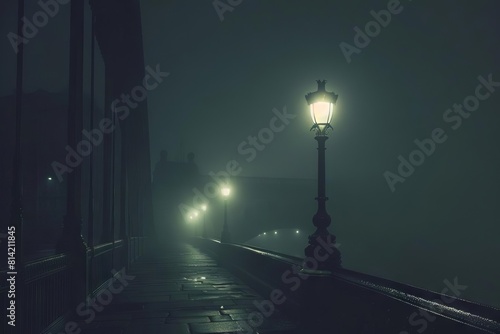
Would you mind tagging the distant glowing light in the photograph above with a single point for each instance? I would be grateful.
(49, 178)
(264, 233)
(203, 277)
(297, 231)
(275, 232)
(204, 207)
(225, 191)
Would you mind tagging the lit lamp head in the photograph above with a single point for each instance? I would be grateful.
(225, 190)
(204, 207)
(321, 104)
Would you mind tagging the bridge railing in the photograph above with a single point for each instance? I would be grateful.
(47, 290)
(345, 301)
(43, 296)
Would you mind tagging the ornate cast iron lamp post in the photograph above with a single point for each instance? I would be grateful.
(322, 104)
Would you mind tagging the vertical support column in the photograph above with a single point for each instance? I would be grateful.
(124, 230)
(107, 160)
(90, 223)
(146, 216)
(72, 241)
(133, 184)
(112, 209)
(122, 49)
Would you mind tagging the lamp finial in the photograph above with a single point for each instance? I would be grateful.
(321, 85)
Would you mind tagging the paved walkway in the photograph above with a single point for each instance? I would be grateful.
(182, 291)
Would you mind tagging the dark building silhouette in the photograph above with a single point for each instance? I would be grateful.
(160, 174)
(173, 182)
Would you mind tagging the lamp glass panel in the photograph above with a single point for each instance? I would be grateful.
(321, 112)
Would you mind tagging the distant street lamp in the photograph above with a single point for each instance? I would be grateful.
(196, 218)
(204, 209)
(225, 235)
(192, 219)
(322, 104)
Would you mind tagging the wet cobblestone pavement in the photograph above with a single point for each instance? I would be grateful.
(181, 290)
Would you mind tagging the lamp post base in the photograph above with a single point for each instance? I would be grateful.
(322, 252)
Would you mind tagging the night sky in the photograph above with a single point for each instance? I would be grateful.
(227, 76)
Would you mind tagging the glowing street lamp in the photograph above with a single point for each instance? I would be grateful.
(322, 104)
(204, 209)
(193, 216)
(225, 235)
(225, 191)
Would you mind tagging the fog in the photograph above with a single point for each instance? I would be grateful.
(229, 80)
